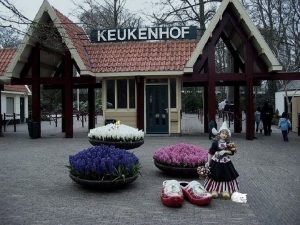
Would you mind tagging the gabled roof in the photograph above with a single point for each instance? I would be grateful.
(65, 28)
(140, 56)
(249, 27)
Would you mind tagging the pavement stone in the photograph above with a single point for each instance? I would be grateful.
(35, 188)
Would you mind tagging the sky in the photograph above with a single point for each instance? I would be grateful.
(30, 7)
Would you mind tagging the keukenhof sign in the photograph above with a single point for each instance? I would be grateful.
(142, 34)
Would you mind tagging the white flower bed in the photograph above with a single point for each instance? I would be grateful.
(119, 133)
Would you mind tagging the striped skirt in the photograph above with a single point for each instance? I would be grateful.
(221, 186)
(222, 177)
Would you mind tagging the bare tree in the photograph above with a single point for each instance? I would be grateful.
(12, 24)
(106, 14)
(8, 38)
(184, 12)
(279, 23)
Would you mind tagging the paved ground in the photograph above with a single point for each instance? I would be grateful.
(35, 188)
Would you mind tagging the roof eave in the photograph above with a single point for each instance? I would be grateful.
(138, 73)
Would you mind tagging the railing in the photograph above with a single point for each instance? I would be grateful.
(6, 119)
(79, 115)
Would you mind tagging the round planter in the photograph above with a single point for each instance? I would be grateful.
(122, 145)
(106, 184)
(175, 170)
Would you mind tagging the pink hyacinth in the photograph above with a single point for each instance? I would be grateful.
(186, 155)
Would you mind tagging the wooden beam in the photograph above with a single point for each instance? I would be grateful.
(140, 102)
(68, 95)
(211, 81)
(195, 78)
(249, 92)
(36, 98)
(237, 116)
(237, 59)
(205, 111)
(200, 63)
(91, 107)
(220, 28)
(1, 88)
(82, 80)
(27, 66)
(277, 76)
(59, 70)
(237, 27)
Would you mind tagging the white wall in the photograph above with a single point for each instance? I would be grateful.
(16, 97)
(279, 102)
(279, 99)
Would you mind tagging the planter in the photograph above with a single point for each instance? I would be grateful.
(121, 145)
(175, 170)
(34, 129)
(106, 184)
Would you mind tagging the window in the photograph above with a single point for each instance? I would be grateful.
(10, 108)
(131, 94)
(173, 92)
(110, 94)
(125, 91)
(122, 93)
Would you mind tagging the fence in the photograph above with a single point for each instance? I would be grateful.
(6, 119)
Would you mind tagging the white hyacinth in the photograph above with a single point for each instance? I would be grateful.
(115, 132)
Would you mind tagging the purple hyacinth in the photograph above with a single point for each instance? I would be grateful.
(103, 162)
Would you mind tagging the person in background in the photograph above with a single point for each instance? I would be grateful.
(266, 116)
(258, 119)
(284, 124)
(212, 124)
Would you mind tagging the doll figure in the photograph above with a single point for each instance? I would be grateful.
(222, 178)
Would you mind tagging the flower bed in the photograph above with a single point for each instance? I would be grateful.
(181, 159)
(103, 163)
(116, 133)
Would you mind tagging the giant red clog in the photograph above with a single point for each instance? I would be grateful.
(171, 194)
(195, 193)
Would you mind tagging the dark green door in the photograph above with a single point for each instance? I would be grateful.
(157, 109)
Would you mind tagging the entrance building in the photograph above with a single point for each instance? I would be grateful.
(142, 81)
